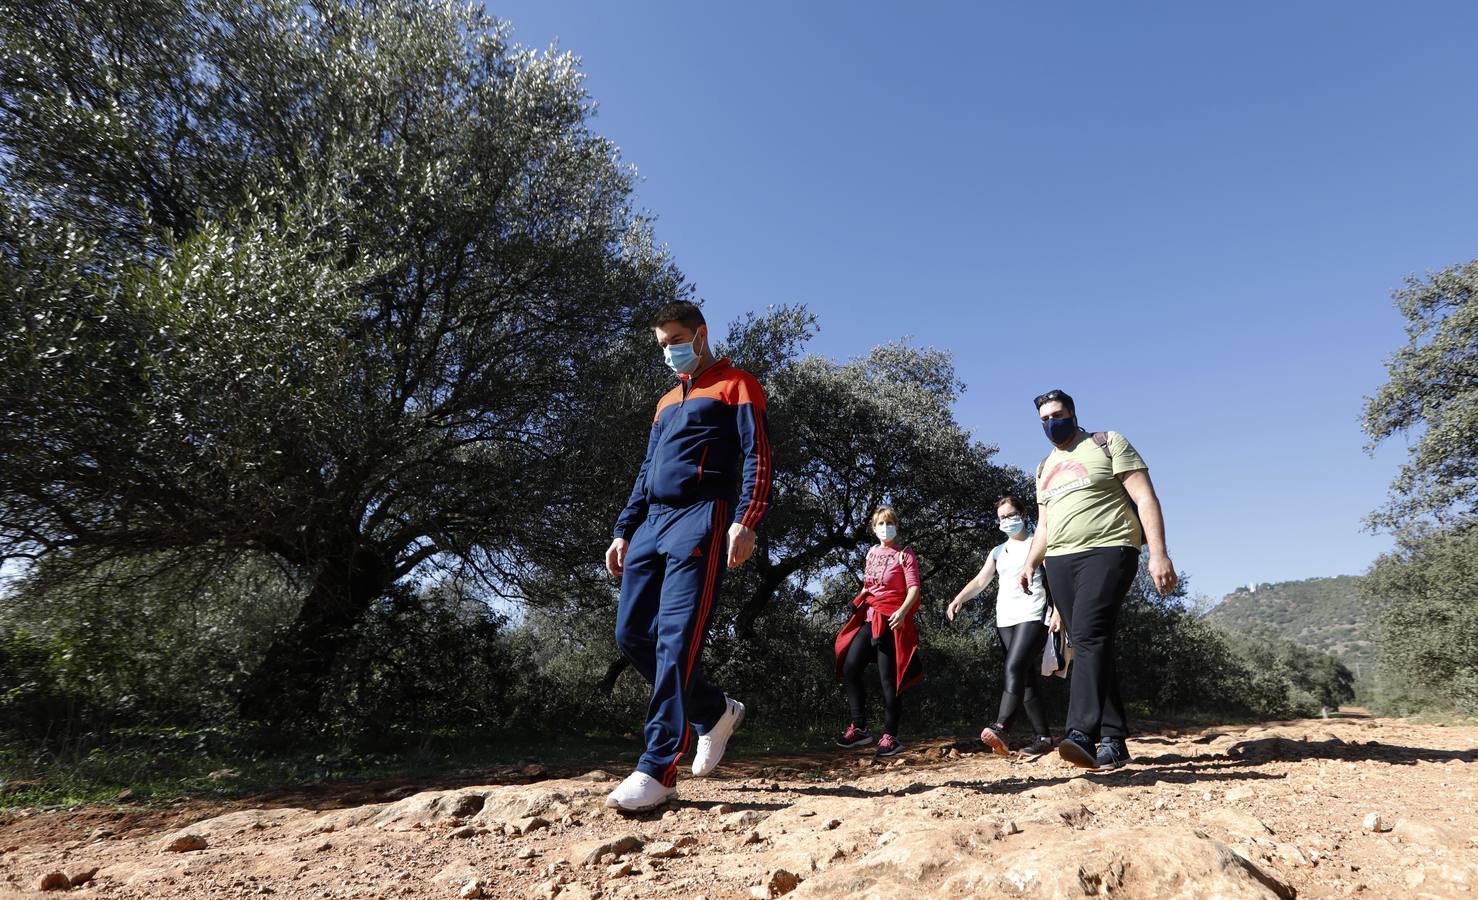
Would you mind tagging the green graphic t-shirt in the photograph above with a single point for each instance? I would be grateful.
(1086, 504)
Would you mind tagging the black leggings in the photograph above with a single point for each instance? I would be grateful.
(1024, 644)
(859, 654)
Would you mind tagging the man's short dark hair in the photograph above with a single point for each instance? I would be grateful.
(681, 311)
(1060, 397)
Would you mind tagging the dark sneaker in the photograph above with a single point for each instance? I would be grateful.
(992, 737)
(1078, 750)
(855, 737)
(888, 745)
(1112, 753)
(1039, 745)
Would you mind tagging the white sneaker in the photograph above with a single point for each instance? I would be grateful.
(711, 746)
(639, 793)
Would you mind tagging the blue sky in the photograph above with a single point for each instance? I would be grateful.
(1189, 216)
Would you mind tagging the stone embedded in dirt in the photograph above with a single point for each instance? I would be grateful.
(429, 808)
(471, 890)
(619, 870)
(831, 824)
(534, 770)
(124, 795)
(78, 875)
(183, 843)
(590, 853)
(532, 823)
(1374, 822)
(777, 883)
(466, 831)
(1428, 834)
(1071, 814)
(101, 833)
(577, 890)
(595, 775)
(661, 850)
(1076, 787)
(724, 809)
(456, 873)
(747, 818)
(547, 799)
(1291, 855)
(1237, 822)
(1240, 793)
(547, 890)
(1136, 862)
(1011, 827)
(53, 881)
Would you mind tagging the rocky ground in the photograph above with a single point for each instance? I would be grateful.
(1315, 808)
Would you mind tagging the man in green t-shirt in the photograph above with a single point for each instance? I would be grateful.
(1096, 507)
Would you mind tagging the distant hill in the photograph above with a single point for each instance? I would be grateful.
(1328, 614)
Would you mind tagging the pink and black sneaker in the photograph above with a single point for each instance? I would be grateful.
(854, 737)
(994, 737)
(889, 745)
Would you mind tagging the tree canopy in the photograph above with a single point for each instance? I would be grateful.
(1432, 395)
(320, 281)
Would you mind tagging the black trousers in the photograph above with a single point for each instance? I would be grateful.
(860, 653)
(1088, 588)
(1024, 643)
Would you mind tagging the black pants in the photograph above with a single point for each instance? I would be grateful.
(1024, 643)
(1088, 588)
(854, 666)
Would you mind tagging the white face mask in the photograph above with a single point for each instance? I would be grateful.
(886, 531)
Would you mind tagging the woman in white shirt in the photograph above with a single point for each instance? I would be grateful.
(1022, 622)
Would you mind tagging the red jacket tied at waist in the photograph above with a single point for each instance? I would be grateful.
(889, 575)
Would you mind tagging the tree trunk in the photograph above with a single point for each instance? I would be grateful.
(287, 686)
(607, 683)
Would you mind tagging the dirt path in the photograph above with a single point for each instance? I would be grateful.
(1234, 812)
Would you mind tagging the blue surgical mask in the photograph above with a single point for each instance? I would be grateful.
(680, 357)
(1013, 525)
(886, 532)
(1060, 430)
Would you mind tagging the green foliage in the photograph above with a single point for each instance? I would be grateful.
(1332, 615)
(1432, 394)
(138, 642)
(1429, 630)
(324, 283)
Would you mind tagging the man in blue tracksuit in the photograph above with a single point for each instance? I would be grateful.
(701, 493)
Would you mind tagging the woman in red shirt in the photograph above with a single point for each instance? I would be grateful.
(881, 628)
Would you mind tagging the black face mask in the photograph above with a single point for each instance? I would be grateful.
(1060, 430)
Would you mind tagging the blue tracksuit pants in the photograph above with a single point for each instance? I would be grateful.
(674, 568)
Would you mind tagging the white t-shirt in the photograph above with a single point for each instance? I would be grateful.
(1012, 606)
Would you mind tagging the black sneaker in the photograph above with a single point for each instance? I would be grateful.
(1039, 745)
(1078, 750)
(1112, 753)
(854, 737)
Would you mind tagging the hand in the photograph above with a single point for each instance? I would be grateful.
(896, 619)
(954, 608)
(1025, 580)
(741, 544)
(1054, 625)
(616, 556)
(1163, 574)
